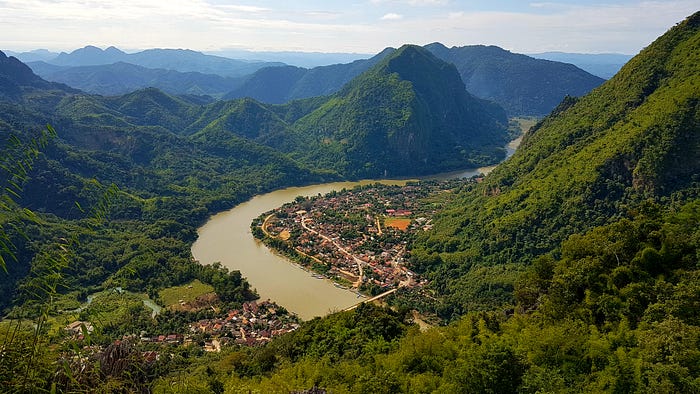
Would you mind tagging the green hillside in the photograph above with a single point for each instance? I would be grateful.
(592, 161)
(407, 115)
(572, 268)
(176, 160)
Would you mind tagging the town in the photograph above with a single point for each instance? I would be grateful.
(255, 323)
(359, 237)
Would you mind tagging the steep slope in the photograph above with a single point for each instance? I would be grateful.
(16, 80)
(590, 162)
(520, 84)
(270, 84)
(121, 78)
(407, 115)
(169, 183)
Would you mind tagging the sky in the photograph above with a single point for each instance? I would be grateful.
(359, 26)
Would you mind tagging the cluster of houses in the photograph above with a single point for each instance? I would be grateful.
(253, 324)
(352, 233)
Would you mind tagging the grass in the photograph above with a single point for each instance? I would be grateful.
(187, 293)
(284, 235)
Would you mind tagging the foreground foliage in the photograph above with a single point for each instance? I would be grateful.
(591, 162)
(618, 312)
(574, 267)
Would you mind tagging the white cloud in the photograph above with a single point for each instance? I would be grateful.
(411, 2)
(391, 17)
(244, 8)
(354, 27)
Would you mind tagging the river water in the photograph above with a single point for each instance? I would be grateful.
(226, 238)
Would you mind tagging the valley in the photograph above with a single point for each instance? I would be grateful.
(128, 227)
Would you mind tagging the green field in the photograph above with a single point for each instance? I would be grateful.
(187, 293)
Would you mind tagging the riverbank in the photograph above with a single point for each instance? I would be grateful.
(340, 236)
(227, 238)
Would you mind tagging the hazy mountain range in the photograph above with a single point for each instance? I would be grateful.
(604, 65)
(521, 84)
(121, 78)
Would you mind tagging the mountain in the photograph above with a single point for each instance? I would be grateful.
(591, 162)
(121, 78)
(89, 56)
(17, 79)
(293, 58)
(36, 55)
(182, 60)
(409, 114)
(604, 65)
(520, 84)
(277, 85)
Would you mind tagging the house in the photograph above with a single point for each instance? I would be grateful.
(76, 328)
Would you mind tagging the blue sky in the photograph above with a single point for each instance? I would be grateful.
(362, 26)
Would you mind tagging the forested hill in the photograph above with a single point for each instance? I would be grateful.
(572, 268)
(179, 159)
(593, 161)
(409, 114)
(16, 79)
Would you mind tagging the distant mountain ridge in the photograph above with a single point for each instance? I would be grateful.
(604, 65)
(121, 78)
(293, 58)
(183, 60)
(521, 84)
